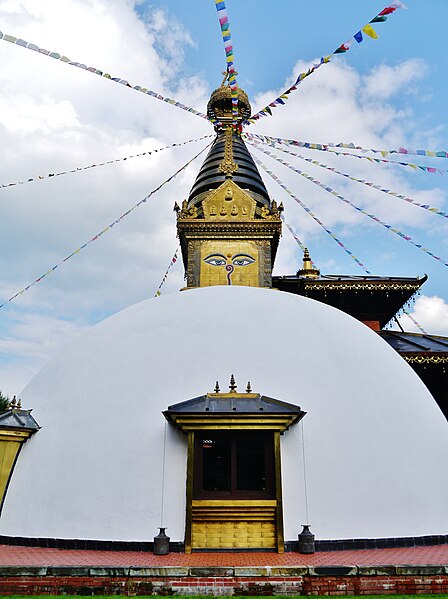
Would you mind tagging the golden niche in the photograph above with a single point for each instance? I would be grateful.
(229, 202)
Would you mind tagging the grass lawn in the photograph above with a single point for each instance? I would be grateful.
(441, 596)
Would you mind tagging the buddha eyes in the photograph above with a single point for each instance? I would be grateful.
(221, 260)
(243, 261)
(215, 260)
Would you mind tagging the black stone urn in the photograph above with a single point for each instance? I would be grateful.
(161, 543)
(306, 540)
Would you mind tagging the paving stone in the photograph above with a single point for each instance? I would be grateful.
(15, 555)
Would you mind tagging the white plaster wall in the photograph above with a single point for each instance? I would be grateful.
(376, 443)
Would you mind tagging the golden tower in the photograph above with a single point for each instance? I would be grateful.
(229, 228)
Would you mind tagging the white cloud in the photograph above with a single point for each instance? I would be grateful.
(170, 37)
(34, 338)
(329, 106)
(384, 81)
(431, 312)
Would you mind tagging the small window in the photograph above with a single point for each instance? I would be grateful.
(239, 464)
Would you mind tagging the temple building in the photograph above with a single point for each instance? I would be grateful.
(234, 412)
(376, 301)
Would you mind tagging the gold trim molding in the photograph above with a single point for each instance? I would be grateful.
(425, 359)
(321, 286)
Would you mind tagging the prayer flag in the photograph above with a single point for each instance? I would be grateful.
(387, 11)
(370, 31)
(397, 4)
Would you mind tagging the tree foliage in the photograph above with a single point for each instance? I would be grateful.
(4, 402)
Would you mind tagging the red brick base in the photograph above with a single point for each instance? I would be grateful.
(357, 580)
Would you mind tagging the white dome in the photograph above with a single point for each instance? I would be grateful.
(376, 443)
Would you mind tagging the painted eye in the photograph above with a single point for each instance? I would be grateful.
(243, 260)
(215, 261)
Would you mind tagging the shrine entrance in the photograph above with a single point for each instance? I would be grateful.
(234, 493)
(233, 483)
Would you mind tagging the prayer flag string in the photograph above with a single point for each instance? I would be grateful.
(417, 167)
(358, 37)
(333, 192)
(417, 324)
(364, 182)
(330, 148)
(228, 47)
(308, 211)
(293, 233)
(165, 276)
(90, 166)
(296, 237)
(57, 56)
(106, 229)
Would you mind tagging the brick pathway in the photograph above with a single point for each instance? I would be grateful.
(33, 556)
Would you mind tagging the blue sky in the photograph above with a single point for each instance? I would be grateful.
(386, 93)
(267, 39)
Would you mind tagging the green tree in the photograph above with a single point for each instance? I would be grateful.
(4, 402)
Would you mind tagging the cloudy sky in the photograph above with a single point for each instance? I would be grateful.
(383, 94)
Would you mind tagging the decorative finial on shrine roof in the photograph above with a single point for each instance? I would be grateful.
(217, 387)
(308, 268)
(219, 108)
(248, 388)
(232, 385)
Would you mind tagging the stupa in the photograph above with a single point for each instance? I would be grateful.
(322, 424)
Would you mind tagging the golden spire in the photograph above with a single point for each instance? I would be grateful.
(228, 166)
(308, 269)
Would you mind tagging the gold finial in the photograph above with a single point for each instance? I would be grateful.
(12, 405)
(176, 208)
(308, 268)
(232, 385)
(228, 166)
(217, 387)
(19, 404)
(226, 75)
(248, 388)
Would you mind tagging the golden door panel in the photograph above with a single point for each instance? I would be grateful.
(229, 263)
(234, 525)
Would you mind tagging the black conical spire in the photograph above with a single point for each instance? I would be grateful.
(246, 176)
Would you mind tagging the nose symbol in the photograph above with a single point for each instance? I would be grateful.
(229, 269)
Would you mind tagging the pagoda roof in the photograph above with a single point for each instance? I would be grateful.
(233, 411)
(16, 418)
(352, 280)
(415, 343)
(367, 297)
(248, 403)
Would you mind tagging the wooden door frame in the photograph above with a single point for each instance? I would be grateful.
(278, 491)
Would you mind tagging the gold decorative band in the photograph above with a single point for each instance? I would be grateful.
(358, 286)
(426, 359)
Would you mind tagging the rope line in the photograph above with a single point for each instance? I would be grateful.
(57, 56)
(352, 146)
(108, 228)
(165, 276)
(381, 17)
(342, 198)
(330, 148)
(308, 211)
(363, 182)
(90, 166)
(305, 483)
